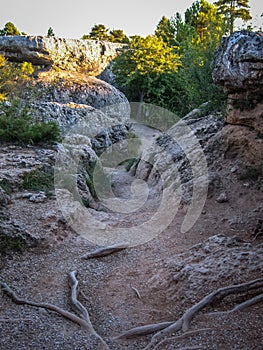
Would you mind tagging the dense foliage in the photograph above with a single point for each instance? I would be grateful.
(139, 69)
(100, 32)
(187, 47)
(9, 29)
(233, 9)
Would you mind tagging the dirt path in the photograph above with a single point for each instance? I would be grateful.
(127, 289)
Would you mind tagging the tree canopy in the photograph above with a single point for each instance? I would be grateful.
(9, 29)
(100, 32)
(173, 68)
(139, 68)
(233, 9)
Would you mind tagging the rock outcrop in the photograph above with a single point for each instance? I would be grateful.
(66, 91)
(215, 261)
(171, 161)
(89, 56)
(72, 100)
(239, 70)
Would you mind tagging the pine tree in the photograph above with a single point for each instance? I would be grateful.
(50, 32)
(98, 32)
(166, 31)
(9, 29)
(118, 36)
(233, 9)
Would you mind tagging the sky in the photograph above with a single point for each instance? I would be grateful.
(73, 18)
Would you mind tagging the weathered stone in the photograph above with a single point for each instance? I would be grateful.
(14, 236)
(87, 91)
(88, 56)
(171, 161)
(239, 62)
(187, 276)
(4, 197)
(222, 198)
(239, 70)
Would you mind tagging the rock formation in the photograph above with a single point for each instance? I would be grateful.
(88, 56)
(91, 115)
(171, 159)
(239, 70)
(66, 89)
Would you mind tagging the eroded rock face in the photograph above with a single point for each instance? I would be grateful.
(72, 101)
(216, 260)
(88, 56)
(170, 154)
(239, 70)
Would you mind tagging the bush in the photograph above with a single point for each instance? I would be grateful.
(17, 125)
(39, 180)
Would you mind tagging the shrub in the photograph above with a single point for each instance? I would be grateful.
(17, 125)
(39, 180)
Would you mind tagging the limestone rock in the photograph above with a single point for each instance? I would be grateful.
(239, 62)
(215, 262)
(167, 162)
(239, 70)
(4, 197)
(14, 236)
(88, 56)
(88, 91)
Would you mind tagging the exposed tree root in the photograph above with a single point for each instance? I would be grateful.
(180, 337)
(82, 311)
(83, 320)
(105, 251)
(137, 293)
(183, 323)
(143, 330)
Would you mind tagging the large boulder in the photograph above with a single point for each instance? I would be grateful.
(239, 70)
(87, 56)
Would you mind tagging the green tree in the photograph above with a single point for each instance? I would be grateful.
(233, 9)
(166, 31)
(139, 69)
(198, 37)
(50, 32)
(9, 29)
(98, 32)
(118, 36)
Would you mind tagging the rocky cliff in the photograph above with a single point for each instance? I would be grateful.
(65, 87)
(88, 56)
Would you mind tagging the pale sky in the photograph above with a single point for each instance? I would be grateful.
(72, 19)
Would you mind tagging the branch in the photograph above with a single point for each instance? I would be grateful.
(105, 251)
(180, 337)
(143, 330)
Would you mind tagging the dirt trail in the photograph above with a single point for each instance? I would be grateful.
(127, 289)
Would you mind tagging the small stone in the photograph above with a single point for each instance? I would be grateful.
(38, 197)
(222, 198)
